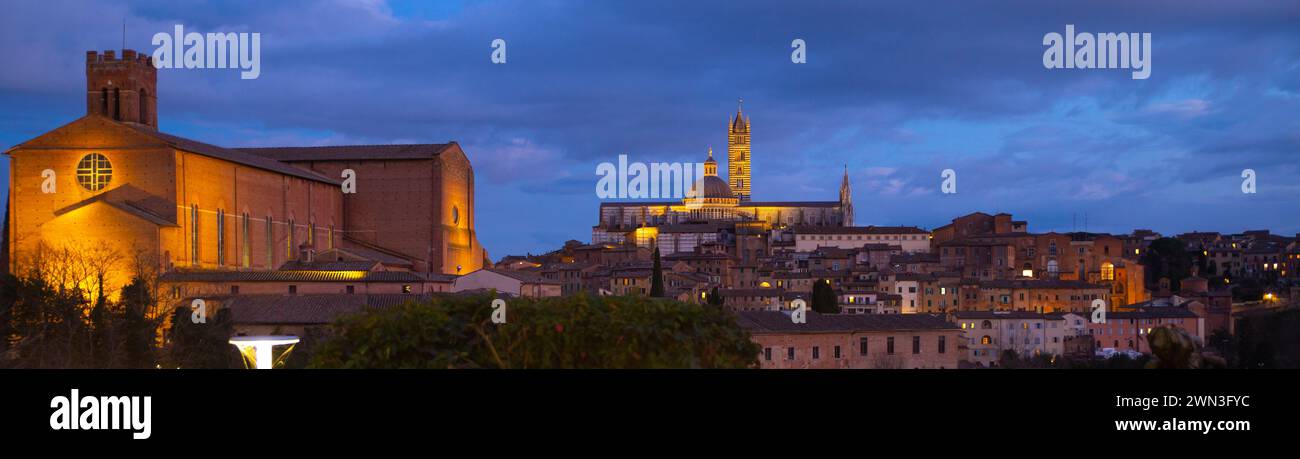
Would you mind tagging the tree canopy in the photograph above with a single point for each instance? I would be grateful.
(562, 332)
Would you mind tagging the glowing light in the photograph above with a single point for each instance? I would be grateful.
(1027, 273)
(258, 348)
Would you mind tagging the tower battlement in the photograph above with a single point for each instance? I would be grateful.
(122, 88)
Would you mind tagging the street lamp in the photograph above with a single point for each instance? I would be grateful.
(259, 348)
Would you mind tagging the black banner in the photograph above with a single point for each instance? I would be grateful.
(291, 409)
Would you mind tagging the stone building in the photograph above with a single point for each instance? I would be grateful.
(853, 340)
(111, 183)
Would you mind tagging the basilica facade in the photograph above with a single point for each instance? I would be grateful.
(112, 183)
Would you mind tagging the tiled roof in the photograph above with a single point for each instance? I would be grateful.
(357, 250)
(790, 204)
(1039, 283)
(813, 229)
(522, 276)
(747, 292)
(232, 155)
(779, 322)
(350, 152)
(295, 265)
(291, 276)
(132, 200)
(1021, 315)
(306, 309)
(1152, 313)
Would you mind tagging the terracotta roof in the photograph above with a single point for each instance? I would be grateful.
(811, 229)
(232, 155)
(132, 200)
(790, 204)
(779, 322)
(1039, 283)
(295, 265)
(370, 252)
(290, 276)
(350, 152)
(306, 309)
(747, 292)
(522, 276)
(1019, 315)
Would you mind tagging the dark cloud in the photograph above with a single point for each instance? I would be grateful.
(897, 91)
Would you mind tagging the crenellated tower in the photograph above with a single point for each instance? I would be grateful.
(124, 89)
(738, 154)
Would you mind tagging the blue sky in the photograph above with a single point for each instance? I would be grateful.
(897, 91)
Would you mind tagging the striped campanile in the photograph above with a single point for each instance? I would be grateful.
(738, 154)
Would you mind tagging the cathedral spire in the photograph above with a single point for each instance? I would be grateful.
(846, 199)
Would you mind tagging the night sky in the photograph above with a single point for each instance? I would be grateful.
(897, 91)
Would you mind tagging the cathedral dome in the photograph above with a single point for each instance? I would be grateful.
(714, 187)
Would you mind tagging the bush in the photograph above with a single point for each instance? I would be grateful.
(563, 332)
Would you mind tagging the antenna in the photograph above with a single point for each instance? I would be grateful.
(123, 32)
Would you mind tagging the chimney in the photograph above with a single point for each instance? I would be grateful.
(306, 253)
(122, 89)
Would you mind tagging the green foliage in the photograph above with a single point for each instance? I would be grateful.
(562, 332)
(1167, 257)
(1247, 289)
(201, 345)
(657, 278)
(139, 333)
(823, 297)
(46, 327)
(1267, 340)
(714, 298)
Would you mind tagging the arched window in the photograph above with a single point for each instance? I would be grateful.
(288, 241)
(144, 106)
(1107, 271)
(245, 252)
(117, 104)
(986, 340)
(1052, 267)
(103, 101)
(221, 237)
(194, 234)
(986, 325)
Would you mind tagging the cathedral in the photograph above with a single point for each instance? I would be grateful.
(111, 183)
(720, 201)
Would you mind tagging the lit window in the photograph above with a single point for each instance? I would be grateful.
(94, 172)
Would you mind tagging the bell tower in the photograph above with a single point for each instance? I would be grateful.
(122, 89)
(738, 154)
